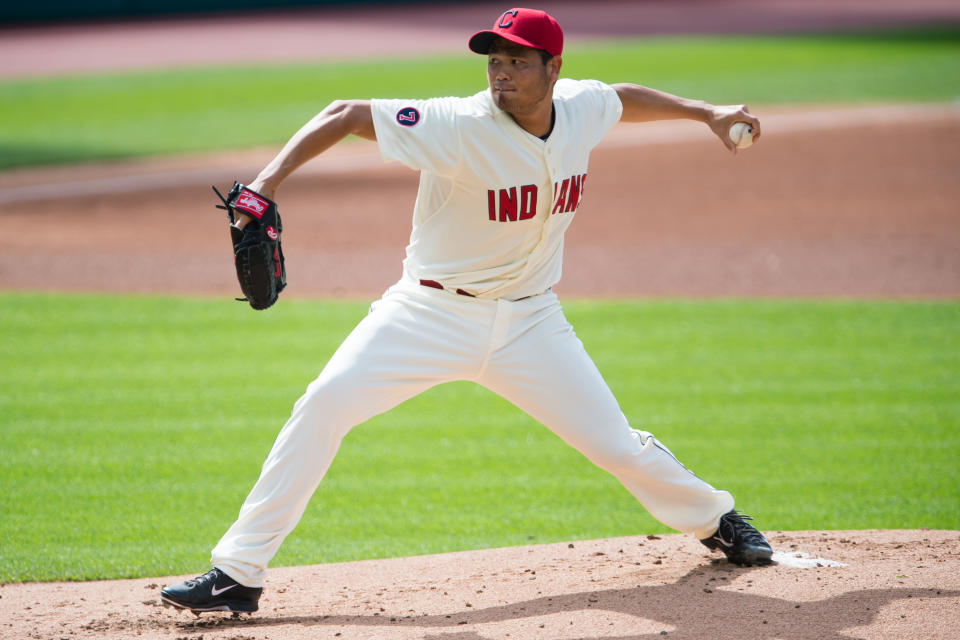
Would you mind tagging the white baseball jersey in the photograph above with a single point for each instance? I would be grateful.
(494, 200)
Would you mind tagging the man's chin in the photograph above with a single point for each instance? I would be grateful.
(502, 99)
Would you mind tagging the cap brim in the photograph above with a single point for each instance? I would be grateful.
(480, 42)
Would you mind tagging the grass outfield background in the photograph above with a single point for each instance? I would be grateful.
(129, 439)
(90, 117)
(130, 435)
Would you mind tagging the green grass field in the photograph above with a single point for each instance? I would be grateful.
(132, 428)
(121, 115)
(130, 437)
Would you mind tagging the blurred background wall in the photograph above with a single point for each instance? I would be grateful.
(55, 10)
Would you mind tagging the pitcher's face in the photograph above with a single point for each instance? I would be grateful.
(520, 82)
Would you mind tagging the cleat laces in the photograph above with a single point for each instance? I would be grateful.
(208, 576)
(739, 529)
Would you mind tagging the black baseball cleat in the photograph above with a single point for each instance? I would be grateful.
(213, 591)
(740, 541)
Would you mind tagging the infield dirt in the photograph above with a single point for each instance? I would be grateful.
(858, 201)
(894, 585)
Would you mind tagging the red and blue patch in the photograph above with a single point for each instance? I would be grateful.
(408, 116)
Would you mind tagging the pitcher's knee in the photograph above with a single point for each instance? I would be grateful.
(622, 454)
(328, 402)
(613, 459)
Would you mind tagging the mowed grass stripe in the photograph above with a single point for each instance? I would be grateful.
(75, 118)
(133, 427)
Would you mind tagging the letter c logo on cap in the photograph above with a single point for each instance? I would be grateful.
(505, 22)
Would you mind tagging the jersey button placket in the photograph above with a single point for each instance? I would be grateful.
(548, 161)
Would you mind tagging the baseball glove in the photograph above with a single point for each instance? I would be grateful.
(256, 248)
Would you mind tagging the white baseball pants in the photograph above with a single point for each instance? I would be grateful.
(416, 337)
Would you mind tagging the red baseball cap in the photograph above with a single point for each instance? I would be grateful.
(527, 27)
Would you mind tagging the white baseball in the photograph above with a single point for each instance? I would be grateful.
(742, 134)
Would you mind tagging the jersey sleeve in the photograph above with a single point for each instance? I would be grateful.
(594, 104)
(422, 134)
(609, 104)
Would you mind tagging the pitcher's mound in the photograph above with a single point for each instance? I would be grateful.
(837, 584)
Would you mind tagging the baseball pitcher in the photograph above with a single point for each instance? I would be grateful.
(502, 174)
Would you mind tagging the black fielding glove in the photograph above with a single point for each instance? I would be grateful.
(256, 248)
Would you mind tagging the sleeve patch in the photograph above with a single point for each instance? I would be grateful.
(408, 116)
